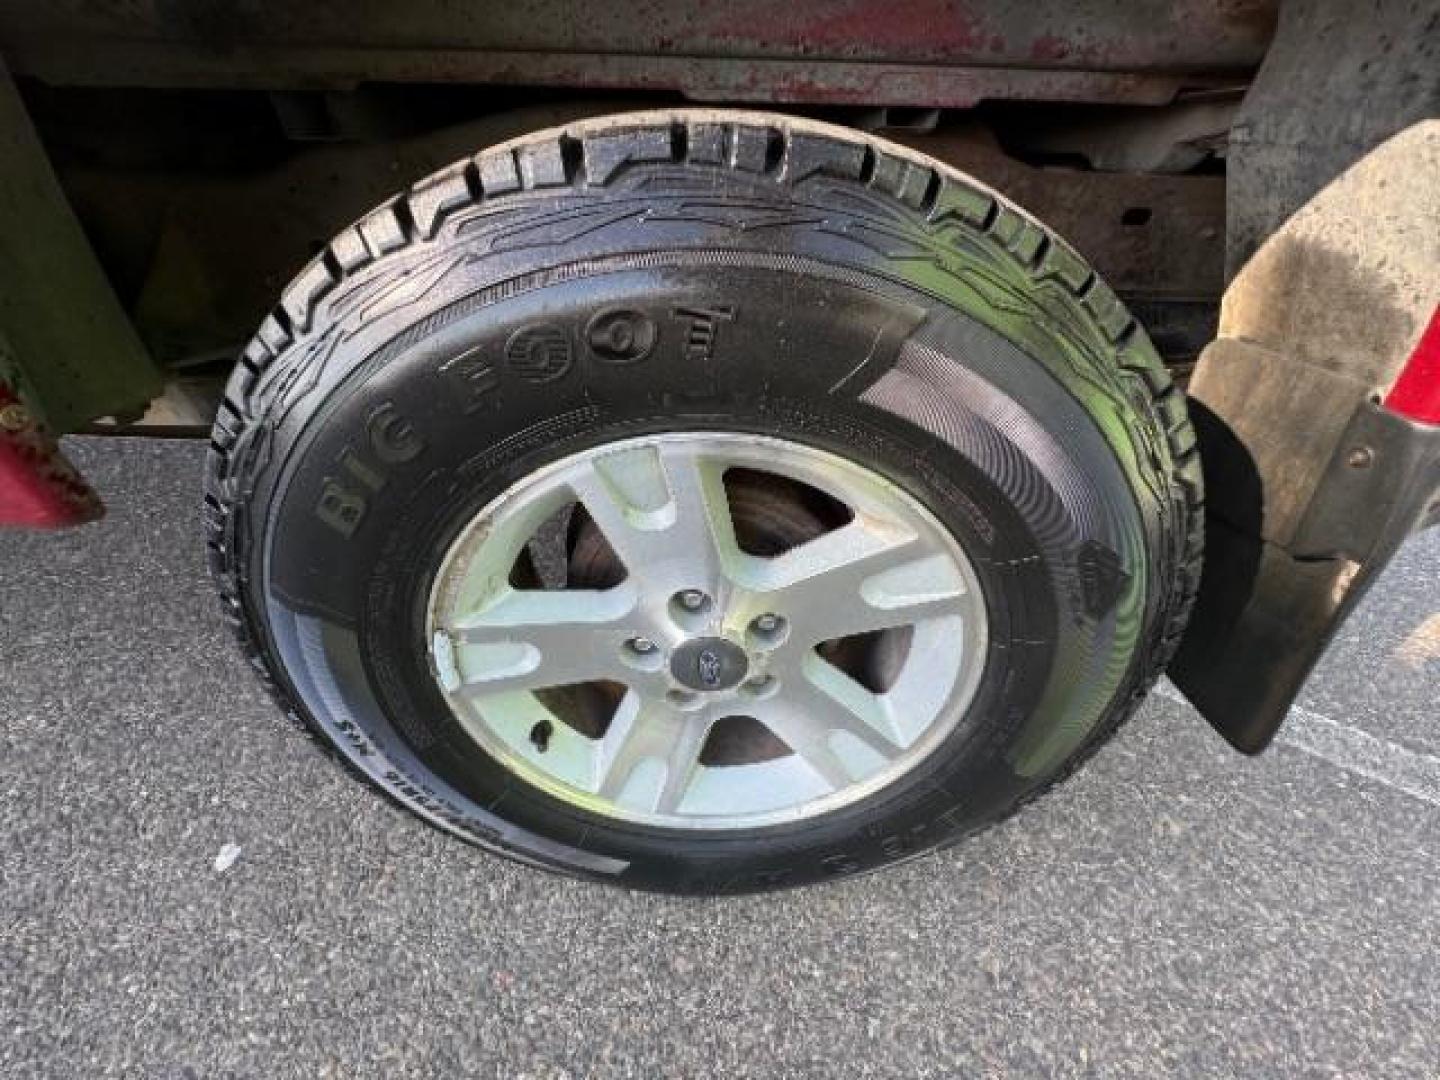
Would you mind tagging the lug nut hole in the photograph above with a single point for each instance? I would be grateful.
(682, 699)
(690, 607)
(761, 686)
(767, 631)
(642, 654)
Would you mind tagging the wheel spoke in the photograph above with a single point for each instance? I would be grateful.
(817, 706)
(665, 514)
(862, 577)
(644, 732)
(537, 639)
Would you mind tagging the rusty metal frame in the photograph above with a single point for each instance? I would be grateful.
(950, 53)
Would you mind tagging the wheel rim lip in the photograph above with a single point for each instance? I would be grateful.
(780, 456)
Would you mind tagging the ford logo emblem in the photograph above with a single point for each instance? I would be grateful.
(707, 664)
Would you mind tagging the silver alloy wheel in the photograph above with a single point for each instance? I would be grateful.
(702, 634)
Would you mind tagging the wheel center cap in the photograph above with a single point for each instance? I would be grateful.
(709, 664)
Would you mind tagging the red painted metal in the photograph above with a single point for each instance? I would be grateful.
(39, 489)
(1416, 394)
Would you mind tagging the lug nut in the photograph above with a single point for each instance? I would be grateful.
(687, 605)
(760, 686)
(642, 654)
(767, 631)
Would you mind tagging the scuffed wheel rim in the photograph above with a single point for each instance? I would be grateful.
(734, 672)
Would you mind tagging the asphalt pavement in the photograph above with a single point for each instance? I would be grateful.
(189, 888)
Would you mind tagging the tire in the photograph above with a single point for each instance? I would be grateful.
(775, 279)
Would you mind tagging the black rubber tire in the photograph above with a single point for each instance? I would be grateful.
(795, 279)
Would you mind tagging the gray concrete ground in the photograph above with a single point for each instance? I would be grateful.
(1175, 909)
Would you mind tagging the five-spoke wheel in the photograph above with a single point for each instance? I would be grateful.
(759, 631)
